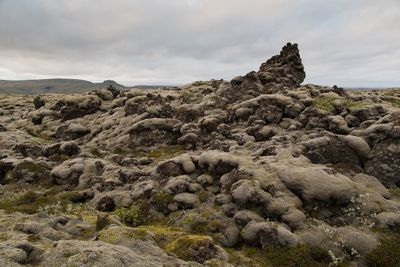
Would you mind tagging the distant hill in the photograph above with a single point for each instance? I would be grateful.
(53, 86)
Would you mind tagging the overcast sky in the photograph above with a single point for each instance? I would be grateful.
(344, 42)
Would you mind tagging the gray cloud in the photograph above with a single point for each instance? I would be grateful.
(345, 42)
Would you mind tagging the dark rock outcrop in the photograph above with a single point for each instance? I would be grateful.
(285, 69)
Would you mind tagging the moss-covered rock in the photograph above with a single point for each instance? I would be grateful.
(194, 248)
(297, 256)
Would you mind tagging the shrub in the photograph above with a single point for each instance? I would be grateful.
(133, 216)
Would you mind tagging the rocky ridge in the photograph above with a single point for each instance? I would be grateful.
(257, 171)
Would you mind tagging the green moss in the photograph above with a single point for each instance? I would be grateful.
(190, 97)
(97, 153)
(387, 253)
(161, 152)
(30, 202)
(64, 158)
(165, 152)
(139, 233)
(239, 259)
(31, 167)
(4, 237)
(159, 234)
(395, 190)
(325, 103)
(183, 246)
(135, 215)
(298, 256)
(68, 254)
(355, 104)
(206, 223)
(163, 235)
(120, 151)
(395, 101)
(86, 231)
(33, 238)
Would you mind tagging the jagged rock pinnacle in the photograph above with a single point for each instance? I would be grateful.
(280, 72)
(286, 68)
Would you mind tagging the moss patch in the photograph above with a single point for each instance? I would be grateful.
(395, 191)
(135, 215)
(166, 152)
(121, 151)
(183, 246)
(190, 97)
(394, 101)
(31, 201)
(326, 103)
(387, 253)
(206, 223)
(117, 234)
(161, 235)
(31, 167)
(298, 256)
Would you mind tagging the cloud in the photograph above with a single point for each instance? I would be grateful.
(344, 42)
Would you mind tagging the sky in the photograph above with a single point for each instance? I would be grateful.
(351, 43)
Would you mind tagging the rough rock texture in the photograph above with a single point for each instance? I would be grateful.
(213, 173)
(285, 68)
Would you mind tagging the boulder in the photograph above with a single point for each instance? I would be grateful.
(38, 102)
(71, 131)
(78, 171)
(76, 106)
(97, 253)
(187, 200)
(267, 234)
(285, 69)
(63, 148)
(149, 132)
(216, 162)
(243, 217)
(249, 192)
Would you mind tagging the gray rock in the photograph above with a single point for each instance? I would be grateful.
(243, 217)
(77, 106)
(187, 200)
(267, 234)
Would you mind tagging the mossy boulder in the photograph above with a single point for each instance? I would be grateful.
(196, 248)
(30, 171)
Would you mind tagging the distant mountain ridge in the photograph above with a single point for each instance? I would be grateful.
(45, 86)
